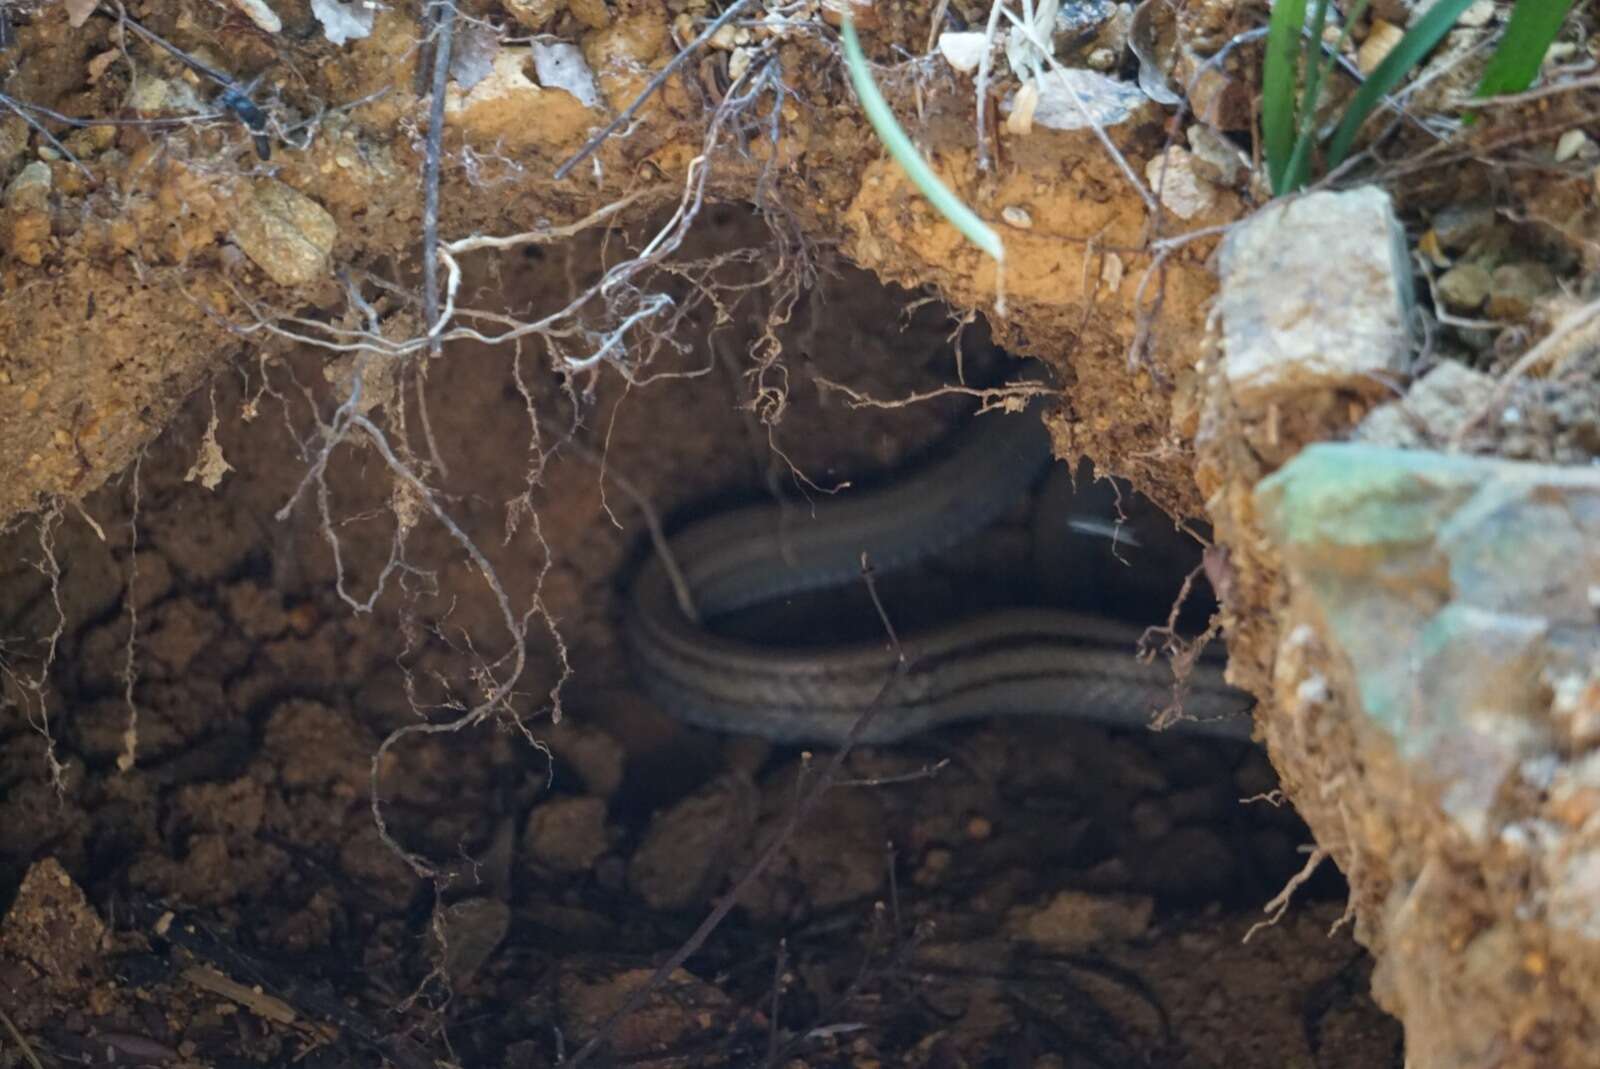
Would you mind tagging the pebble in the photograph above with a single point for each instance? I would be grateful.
(567, 834)
(1075, 920)
(688, 848)
(1465, 287)
(1458, 226)
(1516, 286)
(471, 931)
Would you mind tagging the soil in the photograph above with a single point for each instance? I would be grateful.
(254, 809)
(1030, 893)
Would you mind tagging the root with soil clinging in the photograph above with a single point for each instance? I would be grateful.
(1279, 904)
(33, 688)
(130, 665)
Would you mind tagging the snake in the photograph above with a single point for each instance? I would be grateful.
(1010, 661)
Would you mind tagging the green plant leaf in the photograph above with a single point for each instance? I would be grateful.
(906, 155)
(1300, 162)
(1533, 26)
(1278, 77)
(1417, 43)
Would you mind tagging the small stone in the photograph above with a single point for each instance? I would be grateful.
(1215, 158)
(13, 140)
(1477, 15)
(963, 51)
(259, 13)
(286, 233)
(344, 21)
(467, 934)
(1282, 339)
(560, 65)
(1381, 40)
(1433, 409)
(1075, 921)
(154, 95)
(1458, 226)
(1465, 287)
(51, 926)
(1077, 20)
(1078, 99)
(567, 834)
(1575, 144)
(596, 757)
(687, 849)
(1017, 217)
(1515, 288)
(29, 191)
(1218, 97)
(1183, 192)
(534, 14)
(863, 12)
(673, 1016)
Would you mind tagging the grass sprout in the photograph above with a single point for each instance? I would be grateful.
(906, 155)
(1292, 77)
(1529, 34)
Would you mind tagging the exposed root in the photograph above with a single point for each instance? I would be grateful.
(130, 664)
(32, 688)
(1279, 904)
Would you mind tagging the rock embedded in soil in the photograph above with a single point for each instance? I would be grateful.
(1459, 225)
(29, 191)
(286, 233)
(687, 849)
(1465, 287)
(681, 1008)
(1074, 921)
(1315, 298)
(1441, 621)
(467, 933)
(567, 834)
(1515, 288)
(51, 930)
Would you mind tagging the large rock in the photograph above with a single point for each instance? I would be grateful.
(1438, 683)
(1315, 302)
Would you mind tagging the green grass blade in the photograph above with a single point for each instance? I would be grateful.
(1278, 78)
(1294, 175)
(1316, 74)
(1533, 26)
(1417, 43)
(906, 155)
